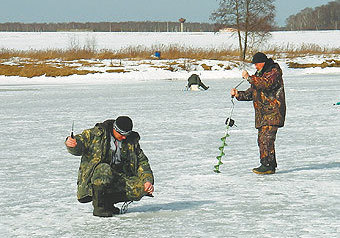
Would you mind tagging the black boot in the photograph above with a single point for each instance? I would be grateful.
(102, 206)
(264, 169)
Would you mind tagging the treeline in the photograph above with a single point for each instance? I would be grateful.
(325, 17)
(130, 26)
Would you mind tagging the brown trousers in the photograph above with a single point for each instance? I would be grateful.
(265, 140)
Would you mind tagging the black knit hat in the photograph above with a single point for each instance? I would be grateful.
(259, 57)
(123, 125)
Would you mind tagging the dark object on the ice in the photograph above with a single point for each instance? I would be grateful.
(230, 122)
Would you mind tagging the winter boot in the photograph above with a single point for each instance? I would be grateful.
(102, 207)
(264, 169)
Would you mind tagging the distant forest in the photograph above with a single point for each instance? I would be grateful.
(324, 17)
(146, 26)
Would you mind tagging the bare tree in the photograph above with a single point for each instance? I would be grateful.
(253, 20)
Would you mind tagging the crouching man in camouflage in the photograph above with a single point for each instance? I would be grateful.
(268, 96)
(113, 167)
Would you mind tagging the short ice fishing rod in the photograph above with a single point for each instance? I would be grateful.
(72, 131)
(229, 122)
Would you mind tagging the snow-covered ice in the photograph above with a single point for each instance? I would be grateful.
(119, 40)
(180, 133)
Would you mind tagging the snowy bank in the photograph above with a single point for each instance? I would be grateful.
(141, 71)
(145, 70)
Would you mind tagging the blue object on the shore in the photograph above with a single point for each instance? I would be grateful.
(158, 54)
(338, 103)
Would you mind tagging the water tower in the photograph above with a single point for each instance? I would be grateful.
(182, 20)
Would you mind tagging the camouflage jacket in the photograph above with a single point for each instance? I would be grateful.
(268, 96)
(93, 145)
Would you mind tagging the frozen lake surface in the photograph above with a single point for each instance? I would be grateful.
(120, 40)
(180, 133)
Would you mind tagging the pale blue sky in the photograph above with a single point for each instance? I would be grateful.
(128, 10)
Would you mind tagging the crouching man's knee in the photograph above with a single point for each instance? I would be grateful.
(102, 175)
(134, 189)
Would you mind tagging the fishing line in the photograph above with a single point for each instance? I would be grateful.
(229, 122)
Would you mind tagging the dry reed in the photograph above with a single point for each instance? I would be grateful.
(55, 62)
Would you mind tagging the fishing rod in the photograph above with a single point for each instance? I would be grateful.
(72, 130)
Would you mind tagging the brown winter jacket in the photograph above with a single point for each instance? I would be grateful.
(268, 96)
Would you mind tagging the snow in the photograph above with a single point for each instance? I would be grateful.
(180, 133)
(142, 71)
(118, 40)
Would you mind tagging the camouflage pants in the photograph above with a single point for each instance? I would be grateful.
(120, 187)
(265, 140)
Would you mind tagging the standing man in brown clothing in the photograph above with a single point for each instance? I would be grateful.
(268, 96)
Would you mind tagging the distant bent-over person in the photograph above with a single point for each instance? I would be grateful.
(195, 80)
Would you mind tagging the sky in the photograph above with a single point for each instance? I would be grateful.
(29, 11)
